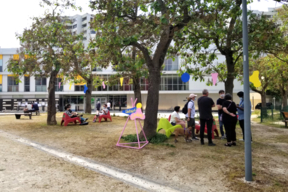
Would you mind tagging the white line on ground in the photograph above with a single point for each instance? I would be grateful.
(109, 171)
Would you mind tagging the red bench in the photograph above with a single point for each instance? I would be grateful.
(214, 129)
(107, 116)
(66, 119)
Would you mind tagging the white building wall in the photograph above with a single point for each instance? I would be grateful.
(21, 84)
(32, 84)
(4, 83)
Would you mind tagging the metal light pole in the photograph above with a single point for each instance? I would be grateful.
(247, 111)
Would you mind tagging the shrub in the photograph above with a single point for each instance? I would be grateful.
(158, 138)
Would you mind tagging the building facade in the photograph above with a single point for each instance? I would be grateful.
(172, 90)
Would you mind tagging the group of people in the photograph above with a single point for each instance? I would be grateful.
(227, 114)
(72, 114)
(34, 107)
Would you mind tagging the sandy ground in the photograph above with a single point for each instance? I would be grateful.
(187, 166)
(23, 168)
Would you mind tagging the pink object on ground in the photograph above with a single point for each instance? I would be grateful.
(135, 119)
(59, 85)
(103, 84)
(214, 78)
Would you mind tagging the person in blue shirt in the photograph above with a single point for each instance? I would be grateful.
(240, 109)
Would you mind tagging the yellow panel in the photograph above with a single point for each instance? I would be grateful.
(26, 75)
(10, 75)
(1, 56)
(79, 78)
(16, 57)
(0, 79)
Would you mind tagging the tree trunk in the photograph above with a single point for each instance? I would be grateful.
(263, 99)
(137, 90)
(51, 116)
(136, 83)
(88, 94)
(151, 111)
(229, 83)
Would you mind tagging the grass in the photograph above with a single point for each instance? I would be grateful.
(213, 168)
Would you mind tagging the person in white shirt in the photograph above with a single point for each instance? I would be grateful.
(175, 118)
(108, 105)
(190, 116)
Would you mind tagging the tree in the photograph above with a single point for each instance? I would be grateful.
(41, 50)
(280, 80)
(221, 31)
(80, 61)
(119, 25)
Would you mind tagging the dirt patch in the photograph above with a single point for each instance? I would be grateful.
(187, 166)
(24, 168)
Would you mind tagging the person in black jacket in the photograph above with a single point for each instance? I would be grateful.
(229, 119)
(205, 105)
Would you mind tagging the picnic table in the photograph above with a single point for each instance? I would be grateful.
(33, 111)
(18, 115)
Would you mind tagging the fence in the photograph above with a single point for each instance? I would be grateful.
(272, 112)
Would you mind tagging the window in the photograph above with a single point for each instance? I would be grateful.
(84, 25)
(172, 82)
(58, 84)
(97, 69)
(74, 26)
(0, 83)
(12, 85)
(84, 38)
(93, 32)
(41, 85)
(26, 84)
(68, 27)
(1, 64)
(170, 65)
(83, 19)
(79, 87)
(144, 83)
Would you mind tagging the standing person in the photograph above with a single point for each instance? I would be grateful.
(175, 118)
(190, 116)
(240, 109)
(220, 111)
(108, 105)
(229, 119)
(205, 105)
(98, 106)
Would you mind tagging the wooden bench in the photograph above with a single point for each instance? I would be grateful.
(285, 115)
(18, 115)
(33, 111)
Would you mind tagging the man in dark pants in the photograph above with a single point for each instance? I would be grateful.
(205, 105)
(240, 109)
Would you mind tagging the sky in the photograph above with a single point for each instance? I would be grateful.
(15, 15)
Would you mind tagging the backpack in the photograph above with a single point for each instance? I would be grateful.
(185, 108)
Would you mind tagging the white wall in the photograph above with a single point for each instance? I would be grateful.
(4, 83)
(32, 84)
(5, 62)
(21, 85)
